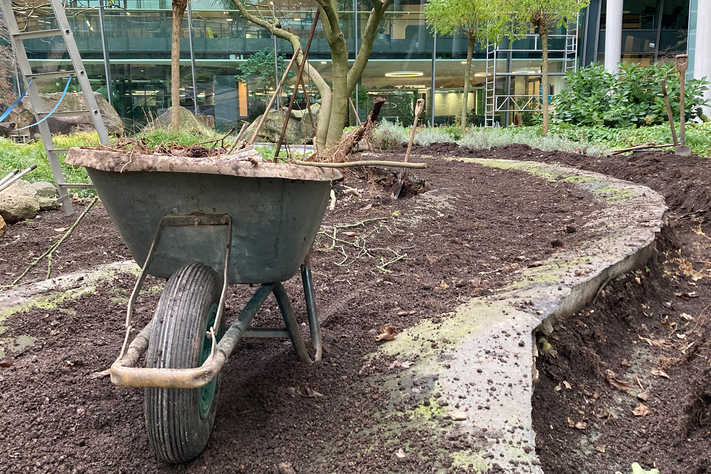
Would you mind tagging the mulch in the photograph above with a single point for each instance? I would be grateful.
(394, 263)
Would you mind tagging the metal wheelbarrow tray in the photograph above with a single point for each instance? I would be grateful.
(204, 223)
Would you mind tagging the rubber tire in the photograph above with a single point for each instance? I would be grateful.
(176, 430)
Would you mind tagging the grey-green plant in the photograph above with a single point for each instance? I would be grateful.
(633, 97)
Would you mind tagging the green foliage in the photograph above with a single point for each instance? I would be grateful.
(479, 19)
(389, 135)
(168, 138)
(544, 13)
(593, 96)
(259, 70)
(698, 135)
(20, 156)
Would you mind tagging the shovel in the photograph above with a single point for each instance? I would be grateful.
(682, 63)
(398, 186)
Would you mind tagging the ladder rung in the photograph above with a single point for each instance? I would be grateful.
(37, 34)
(75, 185)
(57, 150)
(49, 74)
(65, 113)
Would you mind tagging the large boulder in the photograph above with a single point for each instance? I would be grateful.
(23, 114)
(19, 202)
(188, 121)
(46, 194)
(298, 130)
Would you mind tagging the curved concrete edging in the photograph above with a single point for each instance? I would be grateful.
(480, 360)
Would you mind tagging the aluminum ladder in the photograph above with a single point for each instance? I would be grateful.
(16, 38)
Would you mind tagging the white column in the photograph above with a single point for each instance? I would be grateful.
(613, 35)
(702, 58)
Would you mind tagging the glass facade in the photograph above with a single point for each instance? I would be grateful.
(652, 30)
(401, 67)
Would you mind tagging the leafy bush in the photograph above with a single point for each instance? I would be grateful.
(634, 97)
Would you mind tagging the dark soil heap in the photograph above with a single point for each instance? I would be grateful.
(653, 320)
(380, 262)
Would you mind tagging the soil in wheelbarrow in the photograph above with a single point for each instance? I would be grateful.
(376, 262)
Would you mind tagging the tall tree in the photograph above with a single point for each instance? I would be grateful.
(544, 15)
(179, 7)
(477, 19)
(334, 101)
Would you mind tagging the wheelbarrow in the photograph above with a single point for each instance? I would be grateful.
(205, 223)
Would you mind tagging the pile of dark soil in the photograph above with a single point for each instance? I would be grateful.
(375, 262)
(650, 321)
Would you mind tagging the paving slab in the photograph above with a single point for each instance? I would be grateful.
(474, 372)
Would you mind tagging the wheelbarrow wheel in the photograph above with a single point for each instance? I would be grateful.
(179, 421)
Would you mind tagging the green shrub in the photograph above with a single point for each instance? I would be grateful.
(634, 97)
(390, 135)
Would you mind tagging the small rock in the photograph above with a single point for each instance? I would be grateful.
(19, 202)
(285, 468)
(569, 229)
(46, 195)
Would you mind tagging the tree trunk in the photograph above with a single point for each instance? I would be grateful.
(467, 79)
(178, 13)
(339, 98)
(543, 31)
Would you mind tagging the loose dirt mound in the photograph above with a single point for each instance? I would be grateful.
(376, 262)
(654, 319)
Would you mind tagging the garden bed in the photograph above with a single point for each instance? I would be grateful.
(390, 263)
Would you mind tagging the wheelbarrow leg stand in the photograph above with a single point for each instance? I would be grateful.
(311, 310)
(292, 326)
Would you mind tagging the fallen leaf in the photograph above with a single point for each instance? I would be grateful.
(606, 414)
(406, 313)
(5, 364)
(637, 469)
(625, 364)
(660, 373)
(616, 383)
(644, 396)
(350, 234)
(457, 415)
(442, 285)
(600, 448)
(61, 229)
(668, 305)
(310, 392)
(581, 425)
(571, 423)
(400, 453)
(387, 333)
(681, 336)
(567, 385)
(407, 364)
(667, 324)
(686, 317)
(557, 388)
(691, 294)
(653, 342)
(641, 410)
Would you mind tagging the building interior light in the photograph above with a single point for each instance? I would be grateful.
(229, 19)
(479, 74)
(323, 62)
(297, 19)
(404, 74)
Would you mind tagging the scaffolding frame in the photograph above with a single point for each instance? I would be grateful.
(508, 103)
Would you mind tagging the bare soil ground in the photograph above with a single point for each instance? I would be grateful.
(651, 320)
(389, 263)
